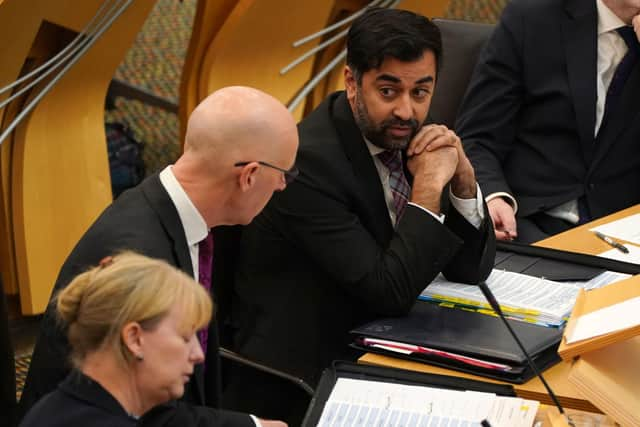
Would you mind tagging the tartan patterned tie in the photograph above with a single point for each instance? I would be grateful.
(205, 266)
(623, 70)
(397, 181)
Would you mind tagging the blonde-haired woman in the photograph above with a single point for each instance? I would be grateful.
(132, 324)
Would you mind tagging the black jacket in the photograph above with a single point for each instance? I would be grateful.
(144, 220)
(528, 119)
(323, 257)
(80, 401)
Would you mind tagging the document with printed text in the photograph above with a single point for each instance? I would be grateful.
(355, 403)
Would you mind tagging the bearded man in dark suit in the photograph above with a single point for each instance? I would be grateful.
(382, 205)
(239, 146)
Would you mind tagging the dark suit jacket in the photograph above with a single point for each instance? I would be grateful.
(528, 118)
(7, 367)
(80, 401)
(144, 220)
(323, 256)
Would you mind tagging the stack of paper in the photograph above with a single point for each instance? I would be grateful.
(521, 297)
(610, 379)
(372, 403)
(602, 317)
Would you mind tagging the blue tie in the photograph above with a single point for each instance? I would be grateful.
(623, 71)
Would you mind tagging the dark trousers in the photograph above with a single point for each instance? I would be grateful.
(540, 226)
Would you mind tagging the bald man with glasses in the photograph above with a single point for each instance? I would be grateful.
(240, 147)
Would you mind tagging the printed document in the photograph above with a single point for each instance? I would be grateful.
(356, 403)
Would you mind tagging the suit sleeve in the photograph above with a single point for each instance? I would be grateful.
(488, 117)
(50, 361)
(180, 414)
(386, 276)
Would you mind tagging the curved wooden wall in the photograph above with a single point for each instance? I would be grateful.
(247, 42)
(55, 177)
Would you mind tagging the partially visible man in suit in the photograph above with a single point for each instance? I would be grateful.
(240, 146)
(383, 204)
(551, 119)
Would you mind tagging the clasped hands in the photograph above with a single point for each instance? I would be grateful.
(436, 157)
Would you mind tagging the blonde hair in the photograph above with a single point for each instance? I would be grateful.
(125, 288)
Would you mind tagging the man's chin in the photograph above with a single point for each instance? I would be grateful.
(397, 143)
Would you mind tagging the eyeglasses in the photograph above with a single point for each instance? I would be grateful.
(289, 175)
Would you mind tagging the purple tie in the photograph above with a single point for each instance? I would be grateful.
(205, 267)
(397, 181)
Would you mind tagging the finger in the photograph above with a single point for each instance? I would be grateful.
(435, 131)
(425, 136)
(501, 235)
(447, 139)
(509, 225)
(418, 143)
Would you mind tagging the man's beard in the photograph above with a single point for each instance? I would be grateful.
(378, 134)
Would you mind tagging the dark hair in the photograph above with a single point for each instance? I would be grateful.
(380, 33)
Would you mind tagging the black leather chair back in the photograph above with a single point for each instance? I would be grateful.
(462, 42)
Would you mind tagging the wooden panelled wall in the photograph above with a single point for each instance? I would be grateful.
(54, 177)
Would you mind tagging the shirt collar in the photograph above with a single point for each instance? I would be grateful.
(374, 150)
(195, 227)
(607, 20)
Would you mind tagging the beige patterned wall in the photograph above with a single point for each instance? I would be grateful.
(476, 10)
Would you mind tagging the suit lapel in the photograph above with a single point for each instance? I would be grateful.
(626, 112)
(363, 168)
(163, 206)
(579, 30)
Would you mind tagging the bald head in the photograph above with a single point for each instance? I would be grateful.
(238, 121)
(239, 141)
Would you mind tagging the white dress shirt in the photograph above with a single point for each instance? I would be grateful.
(470, 209)
(611, 50)
(194, 226)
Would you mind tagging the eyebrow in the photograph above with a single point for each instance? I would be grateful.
(394, 79)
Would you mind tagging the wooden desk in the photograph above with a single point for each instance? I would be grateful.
(579, 239)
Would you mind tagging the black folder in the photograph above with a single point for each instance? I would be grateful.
(342, 369)
(555, 264)
(465, 333)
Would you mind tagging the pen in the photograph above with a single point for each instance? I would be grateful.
(612, 242)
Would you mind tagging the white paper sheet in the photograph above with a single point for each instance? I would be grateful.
(615, 317)
(601, 280)
(626, 229)
(633, 255)
(532, 297)
(360, 403)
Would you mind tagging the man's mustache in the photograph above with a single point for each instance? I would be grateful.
(394, 122)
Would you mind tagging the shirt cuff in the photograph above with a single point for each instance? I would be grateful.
(471, 209)
(507, 197)
(255, 420)
(439, 218)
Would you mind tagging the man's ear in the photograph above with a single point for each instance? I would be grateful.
(350, 83)
(132, 338)
(248, 175)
